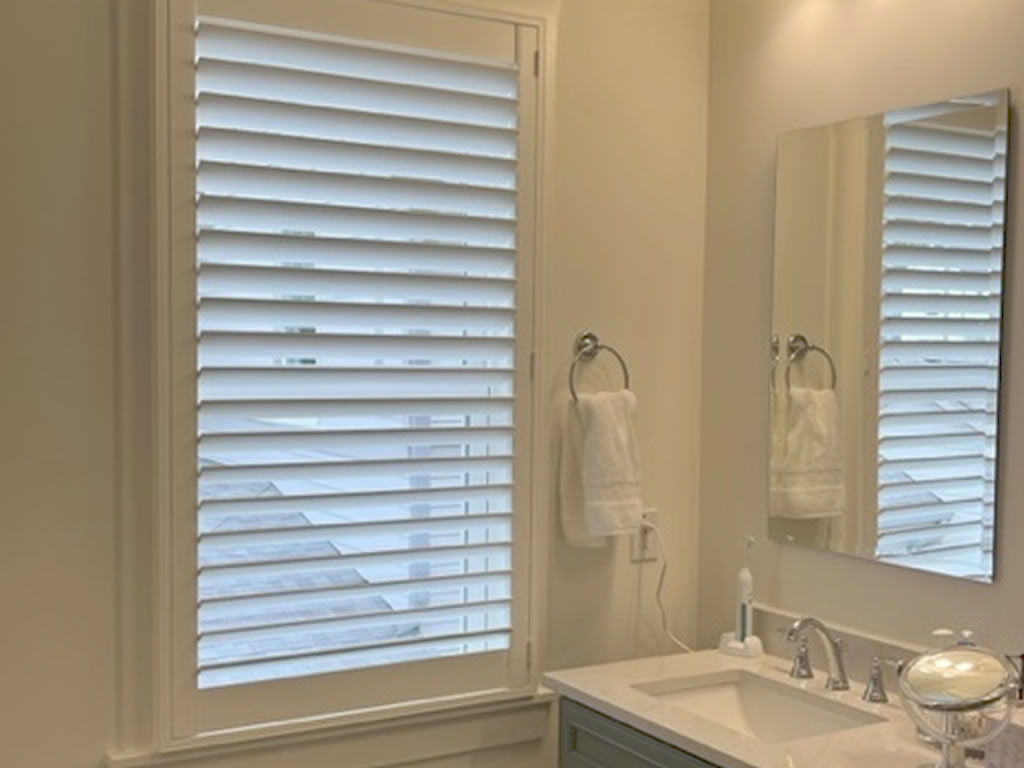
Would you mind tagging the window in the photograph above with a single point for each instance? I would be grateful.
(359, 269)
(940, 328)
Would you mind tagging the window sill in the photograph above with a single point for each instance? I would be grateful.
(446, 729)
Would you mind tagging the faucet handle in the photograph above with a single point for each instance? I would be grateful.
(874, 691)
(801, 669)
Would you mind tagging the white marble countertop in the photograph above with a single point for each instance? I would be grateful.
(608, 689)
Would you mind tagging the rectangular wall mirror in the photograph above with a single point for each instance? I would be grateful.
(885, 338)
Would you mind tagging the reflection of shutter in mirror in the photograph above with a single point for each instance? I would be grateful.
(940, 331)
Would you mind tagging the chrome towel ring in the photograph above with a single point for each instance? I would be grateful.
(799, 346)
(585, 347)
(774, 356)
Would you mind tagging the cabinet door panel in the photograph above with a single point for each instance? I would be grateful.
(589, 739)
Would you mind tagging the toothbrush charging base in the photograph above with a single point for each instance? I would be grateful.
(729, 645)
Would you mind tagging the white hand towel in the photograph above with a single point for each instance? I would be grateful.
(611, 463)
(806, 466)
(570, 485)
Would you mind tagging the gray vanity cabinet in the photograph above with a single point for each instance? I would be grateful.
(588, 739)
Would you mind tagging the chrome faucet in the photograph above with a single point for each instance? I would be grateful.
(837, 679)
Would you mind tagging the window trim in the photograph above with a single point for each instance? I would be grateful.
(395, 739)
(194, 711)
(145, 588)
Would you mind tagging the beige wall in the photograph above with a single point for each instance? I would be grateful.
(777, 65)
(624, 243)
(624, 258)
(56, 384)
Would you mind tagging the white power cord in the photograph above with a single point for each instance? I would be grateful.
(661, 583)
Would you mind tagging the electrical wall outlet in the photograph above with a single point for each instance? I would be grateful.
(645, 543)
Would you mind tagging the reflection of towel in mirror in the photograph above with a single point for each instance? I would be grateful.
(806, 467)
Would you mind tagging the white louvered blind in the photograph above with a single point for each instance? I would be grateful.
(356, 228)
(945, 178)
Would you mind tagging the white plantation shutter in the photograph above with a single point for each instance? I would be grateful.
(940, 326)
(356, 215)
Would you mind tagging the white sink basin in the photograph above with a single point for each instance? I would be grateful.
(757, 707)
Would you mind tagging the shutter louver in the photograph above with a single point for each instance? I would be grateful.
(356, 257)
(940, 328)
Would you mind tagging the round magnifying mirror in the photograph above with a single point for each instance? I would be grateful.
(961, 695)
(957, 678)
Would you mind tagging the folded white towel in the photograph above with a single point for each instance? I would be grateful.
(806, 466)
(611, 463)
(570, 484)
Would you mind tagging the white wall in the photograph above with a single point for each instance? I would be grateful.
(777, 65)
(624, 244)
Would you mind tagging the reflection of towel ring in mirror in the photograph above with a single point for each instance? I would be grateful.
(799, 346)
(586, 347)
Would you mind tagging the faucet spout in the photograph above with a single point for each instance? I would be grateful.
(837, 679)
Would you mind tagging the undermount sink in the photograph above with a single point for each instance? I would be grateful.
(755, 706)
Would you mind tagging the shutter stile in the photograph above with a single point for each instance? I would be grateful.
(940, 333)
(356, 213)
